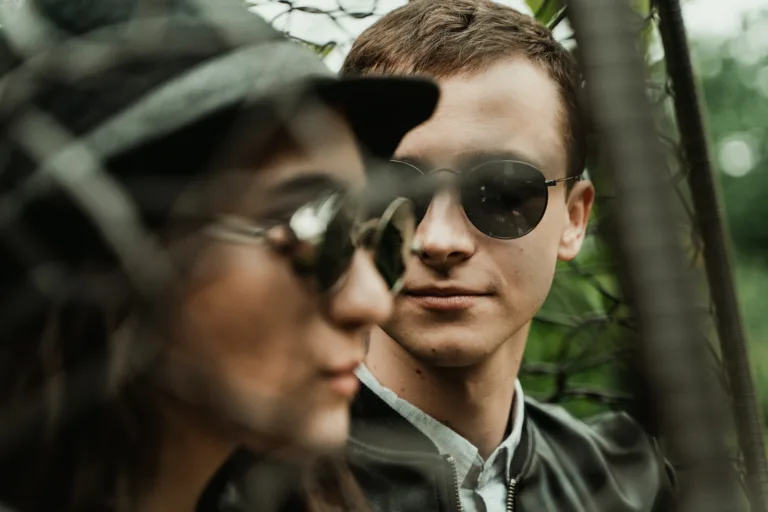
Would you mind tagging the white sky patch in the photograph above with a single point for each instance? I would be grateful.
(708, 18)
(736, 154)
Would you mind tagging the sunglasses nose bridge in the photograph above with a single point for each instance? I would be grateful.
(443, 175)
(439, 182)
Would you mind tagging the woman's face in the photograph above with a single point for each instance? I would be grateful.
(259, 350)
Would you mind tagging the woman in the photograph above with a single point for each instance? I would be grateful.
(183, 271)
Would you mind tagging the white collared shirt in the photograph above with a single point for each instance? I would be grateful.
(483, 482)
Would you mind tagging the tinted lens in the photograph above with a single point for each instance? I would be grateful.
(398, 179)
(504, 199)
(395, 236)
(336, 249)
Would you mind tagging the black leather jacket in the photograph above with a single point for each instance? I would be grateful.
(561, 464)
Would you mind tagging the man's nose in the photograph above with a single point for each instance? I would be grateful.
(364, 299)
(443, 236)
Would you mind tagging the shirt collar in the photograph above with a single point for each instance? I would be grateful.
(448, 442)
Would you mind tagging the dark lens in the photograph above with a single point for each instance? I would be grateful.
(395, 238)
(504, 199)
(397, 179)
(389, 258)
(336, 248)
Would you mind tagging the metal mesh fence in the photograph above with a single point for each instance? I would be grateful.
(328, 27)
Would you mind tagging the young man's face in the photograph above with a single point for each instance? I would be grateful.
(512, 109)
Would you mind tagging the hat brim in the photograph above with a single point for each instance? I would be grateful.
(381, 110)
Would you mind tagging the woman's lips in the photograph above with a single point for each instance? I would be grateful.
(342, 378)
(345, 384)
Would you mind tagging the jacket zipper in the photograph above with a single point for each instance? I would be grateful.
(511, 495)
(456, 493)
(512, 487)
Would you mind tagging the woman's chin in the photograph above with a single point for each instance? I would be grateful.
(324, 434)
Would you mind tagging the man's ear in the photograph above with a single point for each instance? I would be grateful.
(579, 205)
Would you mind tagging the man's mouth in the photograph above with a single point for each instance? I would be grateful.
(444, 298)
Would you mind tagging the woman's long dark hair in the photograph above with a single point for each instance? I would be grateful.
(91, 441)
(79, 429)
(330, 487)
(81, 440)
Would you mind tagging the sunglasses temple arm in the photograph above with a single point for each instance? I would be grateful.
(363, 230)
(552, 183)
(237, 231)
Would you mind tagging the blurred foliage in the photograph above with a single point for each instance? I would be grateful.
(580, 337)
(734, 82)
(734, 79)
(551, 12)
(734, 75)
(545, 10)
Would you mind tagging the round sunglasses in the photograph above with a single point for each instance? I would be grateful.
(321, 238)
(503, 199)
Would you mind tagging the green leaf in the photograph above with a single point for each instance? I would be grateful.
(643, 7)
(658, 70)
(322, 50)
(572, 300)
(325, 49)
(582, 291)
(545, 10)
(647, 32)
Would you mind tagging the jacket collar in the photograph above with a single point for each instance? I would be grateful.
(376, 427)
(218, 494)
(376, 424)
(237, 485)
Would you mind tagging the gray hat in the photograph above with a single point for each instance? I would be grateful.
(144, 84)
(189, 59)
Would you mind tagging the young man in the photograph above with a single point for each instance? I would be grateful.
(441, 423)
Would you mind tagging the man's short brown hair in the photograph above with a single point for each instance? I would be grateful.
(439, 39)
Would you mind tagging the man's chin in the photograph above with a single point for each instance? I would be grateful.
(448, 358)
(459, 347)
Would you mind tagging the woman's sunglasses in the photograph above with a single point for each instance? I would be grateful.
(503, 199)
(321, 238)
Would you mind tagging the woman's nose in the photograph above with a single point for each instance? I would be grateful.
(364, 299)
